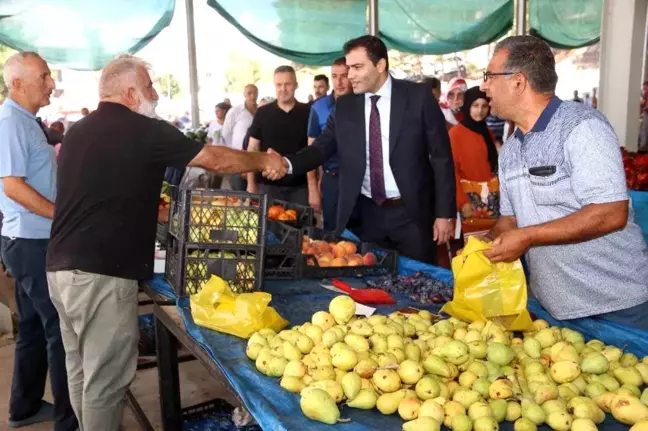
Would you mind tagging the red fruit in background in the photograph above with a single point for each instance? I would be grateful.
(642, 181)
(369, 259)
(641, 163)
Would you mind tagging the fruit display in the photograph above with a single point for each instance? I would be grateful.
(335, 254)
(420, 286)
(279, 213)
(464, 376)
(636, 170)
(198, 135)
(242, 276)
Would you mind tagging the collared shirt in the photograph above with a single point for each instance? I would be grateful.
(384, 110)
(580, 160)
(320, 111)
(24, 152)
(237, 123)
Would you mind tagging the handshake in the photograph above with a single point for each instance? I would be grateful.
(275, 167)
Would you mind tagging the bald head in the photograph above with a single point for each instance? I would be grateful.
(126, 80)
(251, 93)
(29, 80)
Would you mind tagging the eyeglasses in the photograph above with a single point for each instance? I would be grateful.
(489, 74)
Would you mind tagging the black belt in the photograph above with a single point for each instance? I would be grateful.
(396, 202)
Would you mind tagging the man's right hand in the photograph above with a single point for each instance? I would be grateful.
(275, 167)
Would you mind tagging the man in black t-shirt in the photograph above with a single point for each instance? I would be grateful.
(110, 173)
(282, 125)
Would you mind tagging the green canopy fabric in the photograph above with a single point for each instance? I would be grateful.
(82, 35)
(566, 24)
(313, 31)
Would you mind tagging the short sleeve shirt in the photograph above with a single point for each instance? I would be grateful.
(568, 160)
(284, 132)
(111, 168)
(320, 112)
(24, 152)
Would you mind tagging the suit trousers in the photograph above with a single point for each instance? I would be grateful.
(99, 325)
(391, 227)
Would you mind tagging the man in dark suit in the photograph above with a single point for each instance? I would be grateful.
(394, 152)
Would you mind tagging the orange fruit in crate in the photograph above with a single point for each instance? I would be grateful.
(292, 214)
(369, 259)
(283, 217)
(339, 250)
(324, 261)
(327, 255)
(355, 260)
(349, 247)
(339, 261)
(275, 211)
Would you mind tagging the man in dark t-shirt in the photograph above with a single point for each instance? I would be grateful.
(281, 126)
(110, 173)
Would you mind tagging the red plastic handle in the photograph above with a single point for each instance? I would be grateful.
(342, 285)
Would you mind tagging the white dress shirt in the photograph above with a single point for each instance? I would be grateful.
(384, 110)
(237, 123)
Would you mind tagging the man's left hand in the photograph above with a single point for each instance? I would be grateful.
(509, 246)
(443, 230)
(315, 200)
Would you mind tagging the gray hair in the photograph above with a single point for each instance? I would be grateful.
(14, 67)
(119, 74)
(533, 58)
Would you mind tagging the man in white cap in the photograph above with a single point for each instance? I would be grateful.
(454, 101)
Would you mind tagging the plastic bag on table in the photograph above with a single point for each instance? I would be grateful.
(217, 307)
(488, 291)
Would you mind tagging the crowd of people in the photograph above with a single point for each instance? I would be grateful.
(378, 155)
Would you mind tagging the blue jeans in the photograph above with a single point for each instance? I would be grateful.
(329, 200)
(636, 316)
(39, 345)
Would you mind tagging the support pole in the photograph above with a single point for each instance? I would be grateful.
(193, 68)
(520, 17)
(372, 24)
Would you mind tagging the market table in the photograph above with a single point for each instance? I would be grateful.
(276, 409)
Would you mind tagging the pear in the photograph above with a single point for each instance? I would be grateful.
(478, 349)
(554, 406)
(583, 425)
(410, 372)
(396, 327)
(366, 384)
(342, 308)
(477, 325)
(422, 424)
(431, 408)
(573, 337)
(640, 426)
(466, 397)
(644, 397)
(323, 372)
(378, 343)
(365, 400)
(292, 384)
(437, 366)
(546, 337)
(485, 423)
(594, 363)
(604, 402)
(357, 342)
(534, 368)
(345, 359)
(330, 337)
(395, 341)
(383, 329)
(323, 319)
(610, 383)
(291, 352)
(513, 411)
(565, 371)
(333, 388)
(643, 370)
(559, 421)
(628, 376)
(456, 352)
(398, 353)
(307, 379)
(413, 352)
(482, 386)
(318, 405)
(499, 408)
(377, 319)
(628, 409)
(479, 409)
(351, 384)
(387, 359)
(388, 403)
(408, 329)
(366, 368)
(339, 374)
(500, 354)
(524, 424)
(597, 345)
(452, 409)
(276, 366)
(289, 335)
(252, 350)
(441, 341)
(595, 389)
(295, 368)
(257, 338)
(612, 353)
(427, 388)
(408, 408)
(582, 407)
(461, 423)
(533, 412)
(500, 389)
(478, 368)
(630, 390)
(532, 347)
(314, 332)
(444, 327)
(566, 352)
(471, 336)
(545, 392)
(387, 380)
(628, 360)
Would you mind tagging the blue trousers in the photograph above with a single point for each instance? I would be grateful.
(39, 345)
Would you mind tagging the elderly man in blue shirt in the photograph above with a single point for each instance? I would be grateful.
(27, 192)
(320, 112)
(563, 196)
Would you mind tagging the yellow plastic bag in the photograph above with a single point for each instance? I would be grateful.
(217, 307)
(485, 290)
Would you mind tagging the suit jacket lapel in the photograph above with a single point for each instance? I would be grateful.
(398, 104)
(361, 131)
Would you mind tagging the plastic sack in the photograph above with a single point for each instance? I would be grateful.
(216, 307)
(488, 291)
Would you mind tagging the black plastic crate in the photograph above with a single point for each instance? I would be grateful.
(218, 410)
(305, 214)
(162, 232)
(283, 250)
(189, 267)
(218, 217)
(386, 260)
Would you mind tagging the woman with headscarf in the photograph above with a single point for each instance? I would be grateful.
(475, 159)
(451, 107)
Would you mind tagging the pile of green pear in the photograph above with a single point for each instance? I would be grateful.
(464, 376)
